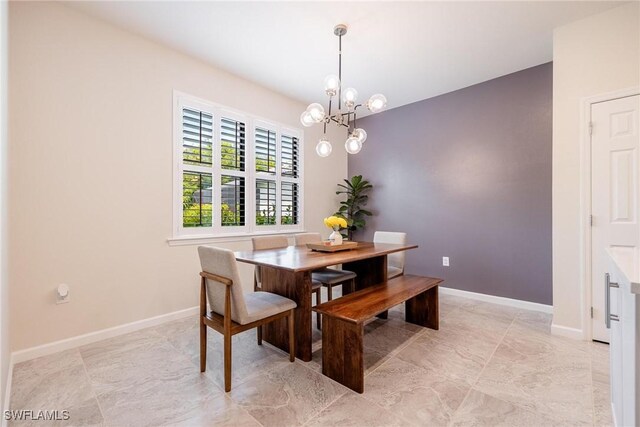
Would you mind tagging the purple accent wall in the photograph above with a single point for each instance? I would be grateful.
(468, 175)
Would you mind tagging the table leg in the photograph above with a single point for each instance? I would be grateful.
(423, 309)
(370, 271)
(297, 287)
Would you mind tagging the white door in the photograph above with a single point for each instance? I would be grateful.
(614, 194)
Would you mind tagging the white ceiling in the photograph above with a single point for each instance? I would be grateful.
(406, 50)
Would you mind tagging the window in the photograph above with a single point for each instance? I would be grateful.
(235, 174)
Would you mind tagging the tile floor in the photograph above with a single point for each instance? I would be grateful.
(488, 365)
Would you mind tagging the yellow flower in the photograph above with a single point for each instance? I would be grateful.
(335, 222)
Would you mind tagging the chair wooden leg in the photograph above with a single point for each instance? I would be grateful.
(259, 328)
(292, 336)
(329, 292)
(318, 318)
(203, 346)
(227, 362)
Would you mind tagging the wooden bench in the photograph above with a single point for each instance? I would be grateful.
(343, 322)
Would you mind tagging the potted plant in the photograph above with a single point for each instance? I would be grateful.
(351, 209)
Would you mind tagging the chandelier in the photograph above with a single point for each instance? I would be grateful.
(315, 113)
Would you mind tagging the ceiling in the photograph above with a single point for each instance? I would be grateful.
(406, 50)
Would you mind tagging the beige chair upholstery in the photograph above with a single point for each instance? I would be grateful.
(269, 242)
(304, 238)
(395, 261)
(244, 308)
(266, 242)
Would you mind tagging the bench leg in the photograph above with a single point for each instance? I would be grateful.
(423, 309)
(343, 352)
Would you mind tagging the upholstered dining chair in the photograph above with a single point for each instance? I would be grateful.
(277, 242)
(395, 261)
(266, 242)
(232, 311)
(328, 277)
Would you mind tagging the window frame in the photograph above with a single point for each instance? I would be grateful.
(217, 231)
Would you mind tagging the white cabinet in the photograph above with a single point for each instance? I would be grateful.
(625, 341)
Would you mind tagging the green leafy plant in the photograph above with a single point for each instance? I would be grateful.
(352, 208)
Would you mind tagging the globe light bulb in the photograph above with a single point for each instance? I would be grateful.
(360, 134)
(323, 148)
(306, 119)
(331, 84)
(352, 145)
(376, 103)
(316, 111)
(349, 97)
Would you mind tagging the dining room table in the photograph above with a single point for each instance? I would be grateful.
(287, 272)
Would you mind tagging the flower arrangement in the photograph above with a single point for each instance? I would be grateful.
(335, 223)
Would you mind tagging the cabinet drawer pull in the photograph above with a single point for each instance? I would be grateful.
(608, 317)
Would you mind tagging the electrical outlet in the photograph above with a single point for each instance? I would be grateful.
(62, 294)
(445, 261)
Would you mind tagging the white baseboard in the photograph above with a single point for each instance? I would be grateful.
(565, 331)
(7, 391)
(73, 342)
(526, 305)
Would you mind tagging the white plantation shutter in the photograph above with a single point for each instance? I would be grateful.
(290, 189)
(265, 202)
(197, 137)
(289, 203)
(289, 156)
(232, 144)
(233, 201)
(265, 150)
(234, 174)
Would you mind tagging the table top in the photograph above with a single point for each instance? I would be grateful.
(300, 258)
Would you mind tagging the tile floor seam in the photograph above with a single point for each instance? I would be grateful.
(93, 392)
(456, 412)
(195, 365)
(322, 409)
(395, 353)
(243, 409)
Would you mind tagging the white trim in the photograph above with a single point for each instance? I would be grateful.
(567, 332)
(510, 302)
(244, 237)
(91, 337)
(585, 206)
(7, 391)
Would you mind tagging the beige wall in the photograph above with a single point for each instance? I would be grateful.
(5, 352)
(592, 56)
(91, 172)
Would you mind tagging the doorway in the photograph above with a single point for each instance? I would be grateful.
(614, 194)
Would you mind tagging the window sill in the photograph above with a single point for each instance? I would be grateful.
(205, 239)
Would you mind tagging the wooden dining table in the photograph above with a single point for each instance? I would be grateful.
(287, 272)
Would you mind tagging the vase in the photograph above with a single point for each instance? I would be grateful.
(335, 238)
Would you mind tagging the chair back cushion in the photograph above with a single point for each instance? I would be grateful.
(395, 259)
(222, 262)
(304, 238)
(267, 242)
